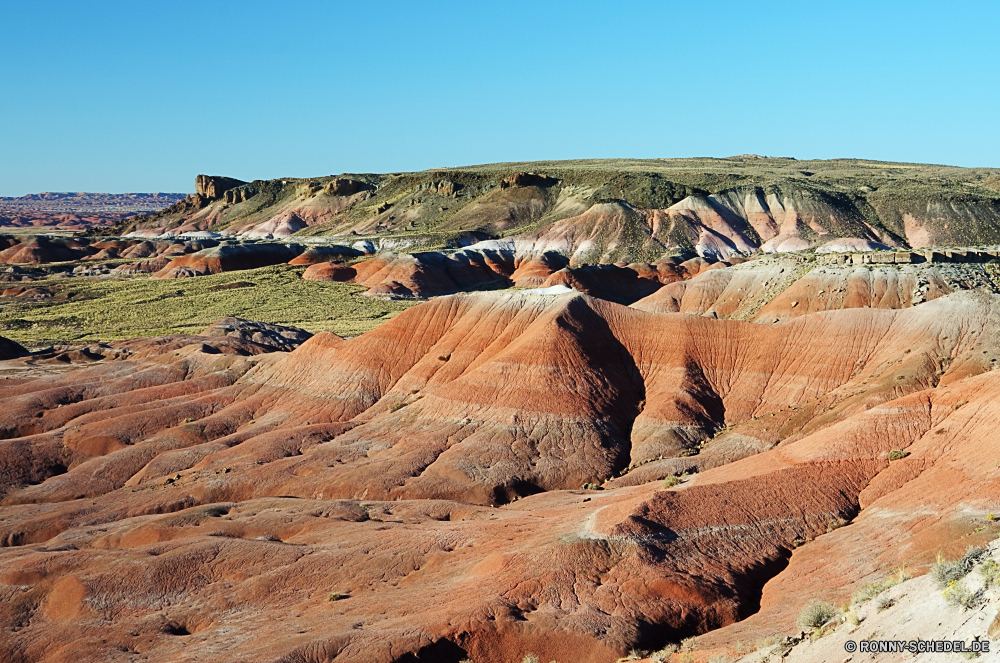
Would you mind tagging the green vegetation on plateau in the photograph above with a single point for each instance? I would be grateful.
(95, 309)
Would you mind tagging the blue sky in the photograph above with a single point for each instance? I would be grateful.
(143, 96)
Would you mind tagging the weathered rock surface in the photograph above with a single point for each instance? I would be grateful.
(213, 186)
(279, 337)
(338, 500)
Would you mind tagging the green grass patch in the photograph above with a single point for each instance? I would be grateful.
(105, 309)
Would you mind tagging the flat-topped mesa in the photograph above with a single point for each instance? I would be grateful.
(213, 187)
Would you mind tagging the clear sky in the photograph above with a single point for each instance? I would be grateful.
(142, 96)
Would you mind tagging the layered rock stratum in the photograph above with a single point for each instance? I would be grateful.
(610, 210)
(415, 493)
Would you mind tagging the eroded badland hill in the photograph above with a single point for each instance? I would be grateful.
(567, 410)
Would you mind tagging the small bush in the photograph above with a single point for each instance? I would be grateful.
(336, 596)
(957, 593)
(670, 482)
(529, 658)
(896, 454)
(946, 572)
(664, 654)
(592, 486)
(990, 571)
(816, 614)
(396, 406)
(870, 591)
(836, 523)
(884, 603)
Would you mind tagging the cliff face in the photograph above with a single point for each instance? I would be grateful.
(611, 210)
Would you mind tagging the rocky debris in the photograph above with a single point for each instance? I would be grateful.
(279, 337)
(212, 187)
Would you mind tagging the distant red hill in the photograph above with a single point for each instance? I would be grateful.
(79, 211)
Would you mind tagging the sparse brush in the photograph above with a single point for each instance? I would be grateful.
(671, 481)
(946, 572)
(836, 523)
(884, 603)
(990, 571)
(897, 454)
(687, 644)
(957, 593)
(870, 591)
(816, 614)
(530, 658)
(335, 596)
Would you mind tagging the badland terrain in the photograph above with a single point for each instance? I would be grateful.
(78, 211)
(565, 410)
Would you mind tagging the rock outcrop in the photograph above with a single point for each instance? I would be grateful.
(213, 187)
(279, 337)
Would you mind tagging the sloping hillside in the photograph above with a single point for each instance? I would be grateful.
(611, 210)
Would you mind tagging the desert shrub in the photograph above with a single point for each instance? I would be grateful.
(946, 572)
(592, 486)
(957, 593)
(670, 482)
(836, 523)
(396, 406)
(870, 591)
(529, 658)
(990, 571)
(664, 654)
(896, 454)
(816, 614)
(884, 603)
(336, 596)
